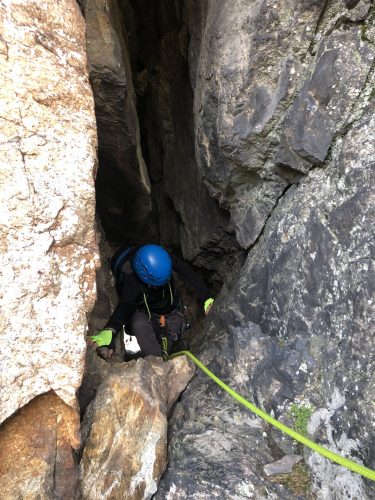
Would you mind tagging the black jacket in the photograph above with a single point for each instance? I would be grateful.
(136, 295)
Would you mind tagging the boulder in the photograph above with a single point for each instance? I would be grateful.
(125, 428)
(37, 451)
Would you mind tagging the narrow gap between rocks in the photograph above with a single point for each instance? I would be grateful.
(148, 185)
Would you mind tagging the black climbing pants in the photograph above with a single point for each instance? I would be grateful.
(148, 331)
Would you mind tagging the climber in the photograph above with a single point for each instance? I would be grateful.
(149, 305)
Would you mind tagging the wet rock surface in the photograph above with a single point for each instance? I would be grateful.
(47, 240)
(125, 428)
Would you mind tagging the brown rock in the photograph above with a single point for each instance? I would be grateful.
(36, 451)
(126, 427)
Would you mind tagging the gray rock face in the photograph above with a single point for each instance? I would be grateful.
(248, 63)
(325, 101)
(295, 165)
(282, 466)
(308, 282)
(217, 448)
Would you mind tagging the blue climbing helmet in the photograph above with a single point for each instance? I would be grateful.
(153, 265)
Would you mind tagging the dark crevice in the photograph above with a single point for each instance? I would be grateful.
(312, 49)
(144, 109)
(260, 235)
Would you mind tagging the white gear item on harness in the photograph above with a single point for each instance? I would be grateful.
(131, 344)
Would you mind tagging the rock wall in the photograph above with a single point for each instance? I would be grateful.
(165, 104)
(144, 109)
(48, 158)
(271, 150)
(284, 120)
(273, 83)
(123, 185)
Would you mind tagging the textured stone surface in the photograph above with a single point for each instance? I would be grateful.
(325, 101)
(47, 241)
(283, 466)
(96, 369)
(138, 64)
(248, 63)
(217, 441)
(283, 118)
(125, 428)
(123, 192)
(309, 284)
(298, 326)
(37, 451)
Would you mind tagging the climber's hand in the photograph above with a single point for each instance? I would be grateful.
(104, 352)
(207, 305)
(104, 342)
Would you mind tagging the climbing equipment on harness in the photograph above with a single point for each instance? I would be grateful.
(153, 265)
(334, 457)
(163, 335)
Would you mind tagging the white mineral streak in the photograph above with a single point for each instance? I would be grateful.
(146, 473)
(47, 161)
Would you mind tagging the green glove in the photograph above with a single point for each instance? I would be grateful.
(103, 338)
(207, 305)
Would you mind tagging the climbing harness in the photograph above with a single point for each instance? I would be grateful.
(164, 338)
(334, 457)
(162, 324)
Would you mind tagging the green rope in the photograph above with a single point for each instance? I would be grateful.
(164, 348)
(349, 464)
